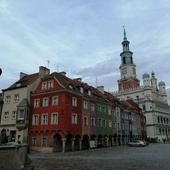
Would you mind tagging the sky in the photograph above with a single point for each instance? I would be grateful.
(83, 38)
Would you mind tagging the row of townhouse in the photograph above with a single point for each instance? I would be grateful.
(55, 113)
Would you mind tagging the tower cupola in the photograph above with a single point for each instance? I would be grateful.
(146, 79)
(127, 68)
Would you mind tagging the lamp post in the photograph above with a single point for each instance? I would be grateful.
(137, 99)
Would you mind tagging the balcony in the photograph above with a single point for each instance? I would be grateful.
(21, 124)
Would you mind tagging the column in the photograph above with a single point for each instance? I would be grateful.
(96, 142)
(63, 144)
(113, 142)
(72, 144)
(80, 144)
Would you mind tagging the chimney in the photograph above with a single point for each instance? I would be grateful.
(101, 89)
(43, 71)
(22, 75)
(63, 73)
(78, 79)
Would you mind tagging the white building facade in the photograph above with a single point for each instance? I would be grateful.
(151, 97)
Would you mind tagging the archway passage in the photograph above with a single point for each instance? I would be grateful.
(57, 143)
(77, 142)
(69, 142)
(4, 138)
(85, 142)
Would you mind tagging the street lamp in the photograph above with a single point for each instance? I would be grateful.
(137, 99)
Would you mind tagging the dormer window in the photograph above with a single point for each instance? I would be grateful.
(81, 89)
(89, 92)
(50, 84)
(44, 85)
(70, 86)
(18, 84)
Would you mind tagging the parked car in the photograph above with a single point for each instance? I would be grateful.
(137, 143)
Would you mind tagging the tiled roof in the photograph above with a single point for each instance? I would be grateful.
(26, 80)
(23, 103)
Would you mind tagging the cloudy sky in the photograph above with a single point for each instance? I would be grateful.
(83, 38)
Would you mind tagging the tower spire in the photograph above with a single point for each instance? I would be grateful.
(124, 32)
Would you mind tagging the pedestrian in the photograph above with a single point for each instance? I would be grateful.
(164, 141)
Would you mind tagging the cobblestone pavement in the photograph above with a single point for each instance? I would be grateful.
(152, 157)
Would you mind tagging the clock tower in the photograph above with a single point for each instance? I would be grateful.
(127, 68)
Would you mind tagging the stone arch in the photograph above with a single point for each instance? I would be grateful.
(76, 142)
(57, 143)
(93, 136)
(68, 142)
(85, 142)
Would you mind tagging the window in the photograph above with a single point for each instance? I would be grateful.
(14, 114)
(110, 123)
(45, 102)
(99, 108)
(74, 101)
(118, 125)
(143, 107)
(50, 84)
(8, 99)
(6, 115)
(100, 122)
(85, 105)
(44, 141)
(54, 118)
(104, 109)
(85, 121)
(92, 107)
(36, 103)
(35, 120)
(92, 122)
(109, 111)
(104, 123)
(44, 85)
(20, 114)
(55, 100)
(81, 89)
(44, 119)
(12, 135)
(16, 98)
(34, 141)
(74, 119)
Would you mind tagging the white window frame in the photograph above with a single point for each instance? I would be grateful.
(6, 115)
(51, 84)
(74, 119)
(99, 108)
(16, 98)
(92, 107)
(35, 119)
(85, 105)
(8, 99)
(54, 118)
(44, 85)
(45, 102)
(99, 122)
(44, 141)
(55, 100)
(104, 122)
(85, 121)
(34, 141)
(110, 123)
(93, 122)
(36, 103)
(19, 114)
(74, 101)
(109, 111)
(44, 119)
(14, 115)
